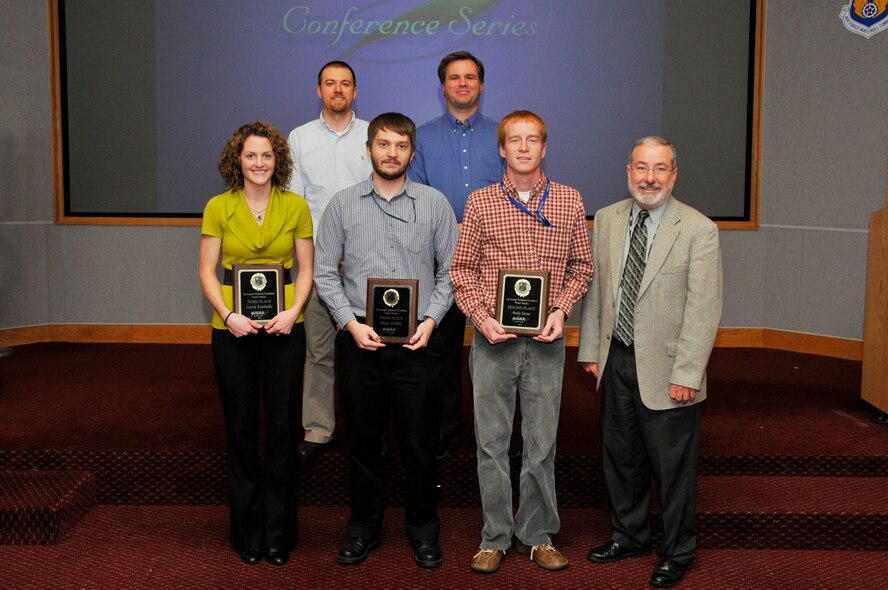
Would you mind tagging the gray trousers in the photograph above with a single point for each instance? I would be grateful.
(318, 409)
(535, 369)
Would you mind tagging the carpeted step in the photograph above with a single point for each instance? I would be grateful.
(135, 476)
(199, 477)
(159, 547)
(808, 495)
(41, 507)
(812, 513)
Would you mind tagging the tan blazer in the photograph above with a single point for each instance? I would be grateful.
(679, 301)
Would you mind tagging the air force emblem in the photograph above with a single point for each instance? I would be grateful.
(865, 17)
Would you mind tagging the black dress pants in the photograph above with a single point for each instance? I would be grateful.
(372, 384)
(450, 389)
(639, 442)
(262, 498)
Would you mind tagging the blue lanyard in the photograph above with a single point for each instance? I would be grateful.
(539, 212)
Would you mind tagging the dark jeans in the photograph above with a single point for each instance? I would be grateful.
(640, 442)
(450, 390)
(262, 499)
(371, 384)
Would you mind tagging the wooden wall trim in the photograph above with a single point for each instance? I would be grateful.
(844, 348)
(108, 333)
(55, 101)
(758, 110)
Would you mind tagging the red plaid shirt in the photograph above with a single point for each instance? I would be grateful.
(495, 235)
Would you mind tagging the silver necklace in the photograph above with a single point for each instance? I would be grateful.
(258, 212)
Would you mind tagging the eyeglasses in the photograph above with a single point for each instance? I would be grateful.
(660, 171)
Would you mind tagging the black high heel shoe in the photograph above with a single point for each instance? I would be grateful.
(277, 556)
(250, 557)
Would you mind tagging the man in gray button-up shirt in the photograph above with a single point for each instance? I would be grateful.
(388, 227)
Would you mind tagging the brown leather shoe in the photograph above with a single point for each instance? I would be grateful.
(487, 561)
(548, 558)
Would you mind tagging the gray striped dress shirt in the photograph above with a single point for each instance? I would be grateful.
(412, 236)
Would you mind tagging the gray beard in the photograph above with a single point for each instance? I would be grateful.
(646, 202)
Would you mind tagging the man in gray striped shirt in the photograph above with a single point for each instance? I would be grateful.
(388, 227)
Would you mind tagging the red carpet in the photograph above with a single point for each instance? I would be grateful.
(154, 547)
(163, 397)
(789, 460)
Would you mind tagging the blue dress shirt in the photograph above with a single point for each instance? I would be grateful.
(457, 157)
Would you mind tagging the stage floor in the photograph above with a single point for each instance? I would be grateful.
(791, 475)
(163, 398)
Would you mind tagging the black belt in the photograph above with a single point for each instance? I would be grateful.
(227, 278)
(630, 348)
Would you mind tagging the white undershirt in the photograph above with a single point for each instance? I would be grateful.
(524, 196)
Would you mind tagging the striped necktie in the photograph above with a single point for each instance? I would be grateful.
(632, 273)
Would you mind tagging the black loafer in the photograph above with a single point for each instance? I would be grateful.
(250, 557)
(309, 451)
(277, 556)
(444, 446)
(355, 550)
(612, 551)
(668, 573)
(427, 553)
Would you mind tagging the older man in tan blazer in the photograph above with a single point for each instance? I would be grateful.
(648, 327)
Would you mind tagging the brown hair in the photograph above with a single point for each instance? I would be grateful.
(519, 117)
(395, 122)
(459, 56)
(229, 161)
(337, 64)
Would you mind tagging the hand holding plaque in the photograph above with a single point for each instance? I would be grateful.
(522, 298)
(391, 308)
(258, 290)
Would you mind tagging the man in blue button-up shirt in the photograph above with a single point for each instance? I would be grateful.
(456, 153)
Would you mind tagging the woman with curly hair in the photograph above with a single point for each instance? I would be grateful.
(258, 222)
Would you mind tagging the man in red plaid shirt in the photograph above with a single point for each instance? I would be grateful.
(523, 222)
